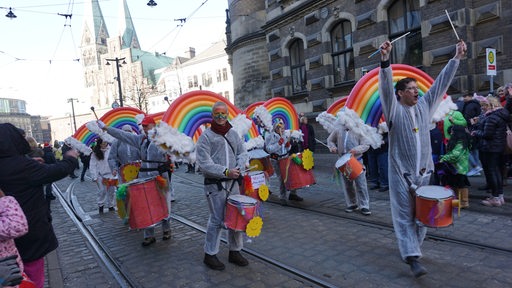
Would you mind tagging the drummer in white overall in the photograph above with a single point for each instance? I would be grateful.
(122, 153)
(221, 155)
(408, 118)
(343, 141)
(148, 152)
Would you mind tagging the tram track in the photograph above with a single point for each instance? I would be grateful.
(382, 225)
(78, 217)
(117, 270)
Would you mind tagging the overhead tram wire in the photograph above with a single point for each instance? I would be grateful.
(183, 21)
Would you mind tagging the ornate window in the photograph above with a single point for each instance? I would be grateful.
(342, 52)
(404, 16)
(298, 66)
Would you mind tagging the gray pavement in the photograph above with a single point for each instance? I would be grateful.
(340, 250)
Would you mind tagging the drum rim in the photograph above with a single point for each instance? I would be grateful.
(141, 180)
(234, 201)
(441, 197)
(347, 156)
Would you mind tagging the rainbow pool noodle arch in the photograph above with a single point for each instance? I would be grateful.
(283, 109)
(193, 109)
(117, 117)
(85, 136)
(336, 106)
(364, 97)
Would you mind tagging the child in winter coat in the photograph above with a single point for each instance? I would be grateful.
(13, 224)
(102, 175)
(458, 155)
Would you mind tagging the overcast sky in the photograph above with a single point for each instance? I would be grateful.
(38, 47)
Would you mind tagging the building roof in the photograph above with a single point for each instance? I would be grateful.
(150, 63)
(214, 51)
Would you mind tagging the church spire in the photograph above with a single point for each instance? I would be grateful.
(126, 28)
(95, 30)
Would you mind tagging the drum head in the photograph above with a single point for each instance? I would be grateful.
(344, 159)
(434, 192)
(242, 199)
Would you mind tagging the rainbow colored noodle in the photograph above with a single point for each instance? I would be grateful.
(157, 116)
(85, 136)
(193, 109)
(249, 111)
(364, 97)
(283, 109)
(337, 105)
(117, 118)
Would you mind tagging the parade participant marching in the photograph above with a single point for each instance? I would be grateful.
(408, 117)
(278, 148)
(148, 152)
(342, 140)
(102, 175)
(121, 153)
(221, 154)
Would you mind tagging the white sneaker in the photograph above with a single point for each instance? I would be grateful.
(492, 202)
(502, 199)
(471, 172)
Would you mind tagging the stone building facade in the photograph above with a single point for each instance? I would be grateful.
(312, 52)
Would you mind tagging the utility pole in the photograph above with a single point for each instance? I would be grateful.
(118, 76)
(72, 100)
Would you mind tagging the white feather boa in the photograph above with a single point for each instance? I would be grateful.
(327, 121)
(264, 116)
(94, 128)
(169, 140)
(443, 109)
(367, 134)
(75, 144)
(255, 143)
(241, 124)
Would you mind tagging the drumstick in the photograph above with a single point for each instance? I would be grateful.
(451, 23)
(394, 40)
(249, 168)
(167, 100)
(92, 108)
(321, 143)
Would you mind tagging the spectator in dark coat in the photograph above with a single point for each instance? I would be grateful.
(308, 134)
(470, 110)
(65, 148)
(492, 140)
(23, 178)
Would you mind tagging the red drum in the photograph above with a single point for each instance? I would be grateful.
(252, 182)
(240, 209)
(434, 206)
(349, 166)
(147, 203)
(294, 175)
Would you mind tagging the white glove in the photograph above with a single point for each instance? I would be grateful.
(101, 124)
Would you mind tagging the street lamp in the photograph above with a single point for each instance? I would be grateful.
(118, 76)
(72, 100)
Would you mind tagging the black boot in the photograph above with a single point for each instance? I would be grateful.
(236, 257)
(213, 262)
(148, 241)
(416, 268)
(100, 209)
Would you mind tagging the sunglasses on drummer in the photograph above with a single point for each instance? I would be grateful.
(220, 115)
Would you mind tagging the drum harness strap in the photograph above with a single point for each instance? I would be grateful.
(210, 181)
